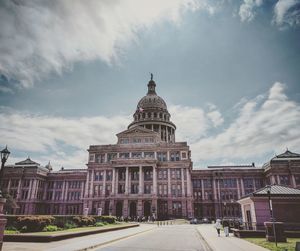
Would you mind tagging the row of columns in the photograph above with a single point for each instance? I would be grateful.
(115, 182)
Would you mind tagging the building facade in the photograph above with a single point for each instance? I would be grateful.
(146, 173)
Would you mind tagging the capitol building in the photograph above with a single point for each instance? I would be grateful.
(146, 173)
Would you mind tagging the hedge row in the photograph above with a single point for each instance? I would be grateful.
(36, 223)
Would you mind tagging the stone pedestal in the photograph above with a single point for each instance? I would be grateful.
(2, 221)
(279, 230)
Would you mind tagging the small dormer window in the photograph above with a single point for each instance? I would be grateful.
(137, 140)
(124, 141)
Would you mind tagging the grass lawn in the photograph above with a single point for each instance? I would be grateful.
(72, 230)
(289, 245)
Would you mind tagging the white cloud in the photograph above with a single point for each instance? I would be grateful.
(214, 115)
(248, 8)
(287, 12)
(40, 37)
(191, 122)
(260, 128)
(67, 138)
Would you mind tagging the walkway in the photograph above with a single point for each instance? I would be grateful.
(182, 237)
(223, 243)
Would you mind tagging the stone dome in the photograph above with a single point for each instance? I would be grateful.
(152, 100)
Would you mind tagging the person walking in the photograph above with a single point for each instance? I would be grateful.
(218, 226)
(226, 228)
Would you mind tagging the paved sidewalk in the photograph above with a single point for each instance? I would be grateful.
(223, 243)
(78, 243)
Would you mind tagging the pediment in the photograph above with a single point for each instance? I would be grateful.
(138, 130)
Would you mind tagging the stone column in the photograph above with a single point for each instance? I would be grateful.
(202, 190)
(127, 180)
(113, 181)
(168, 155)
(278, 180)
(66, 185)
(242, 187)
(86, 190)
(238, 188)
(214, 189)
(188, 182)
(82, 190)
(33, 189)
(19, 190)
(182, 183)
(117, 181)
(104, 183)
(169, 183)
(141, 183)
(92, 184)
(125, 208)
(293, 181)
(154, 187)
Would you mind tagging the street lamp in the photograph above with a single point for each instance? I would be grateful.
(271, 212)
(4, 156)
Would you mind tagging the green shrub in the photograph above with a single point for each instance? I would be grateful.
(106, 218)
(70, 225)
(10, 228)
(50, 228)
(11, 232)
(99, 224)
(62, 220)
(84, 220)
(34, 223)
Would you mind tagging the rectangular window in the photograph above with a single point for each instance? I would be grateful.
(121, 175)
(137, 140)
(147, 188)
(134, 188)
(124, 141)
(284, 180)
(162, 156)
(136, 155)
(92, 158)
(174, 156)
(121, 189)
(124, 155)
(148, 175)
(100, 158)
(108, 175)
(134, 175)
(111, 156)
(149, 155)
(207, 183)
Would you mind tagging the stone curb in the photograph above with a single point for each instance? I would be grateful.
(206, 244)
(58, 237)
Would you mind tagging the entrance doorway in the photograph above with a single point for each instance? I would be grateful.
(132, 209)
(147, 208)
(119, 209)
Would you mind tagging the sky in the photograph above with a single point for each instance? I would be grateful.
(71, 75)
